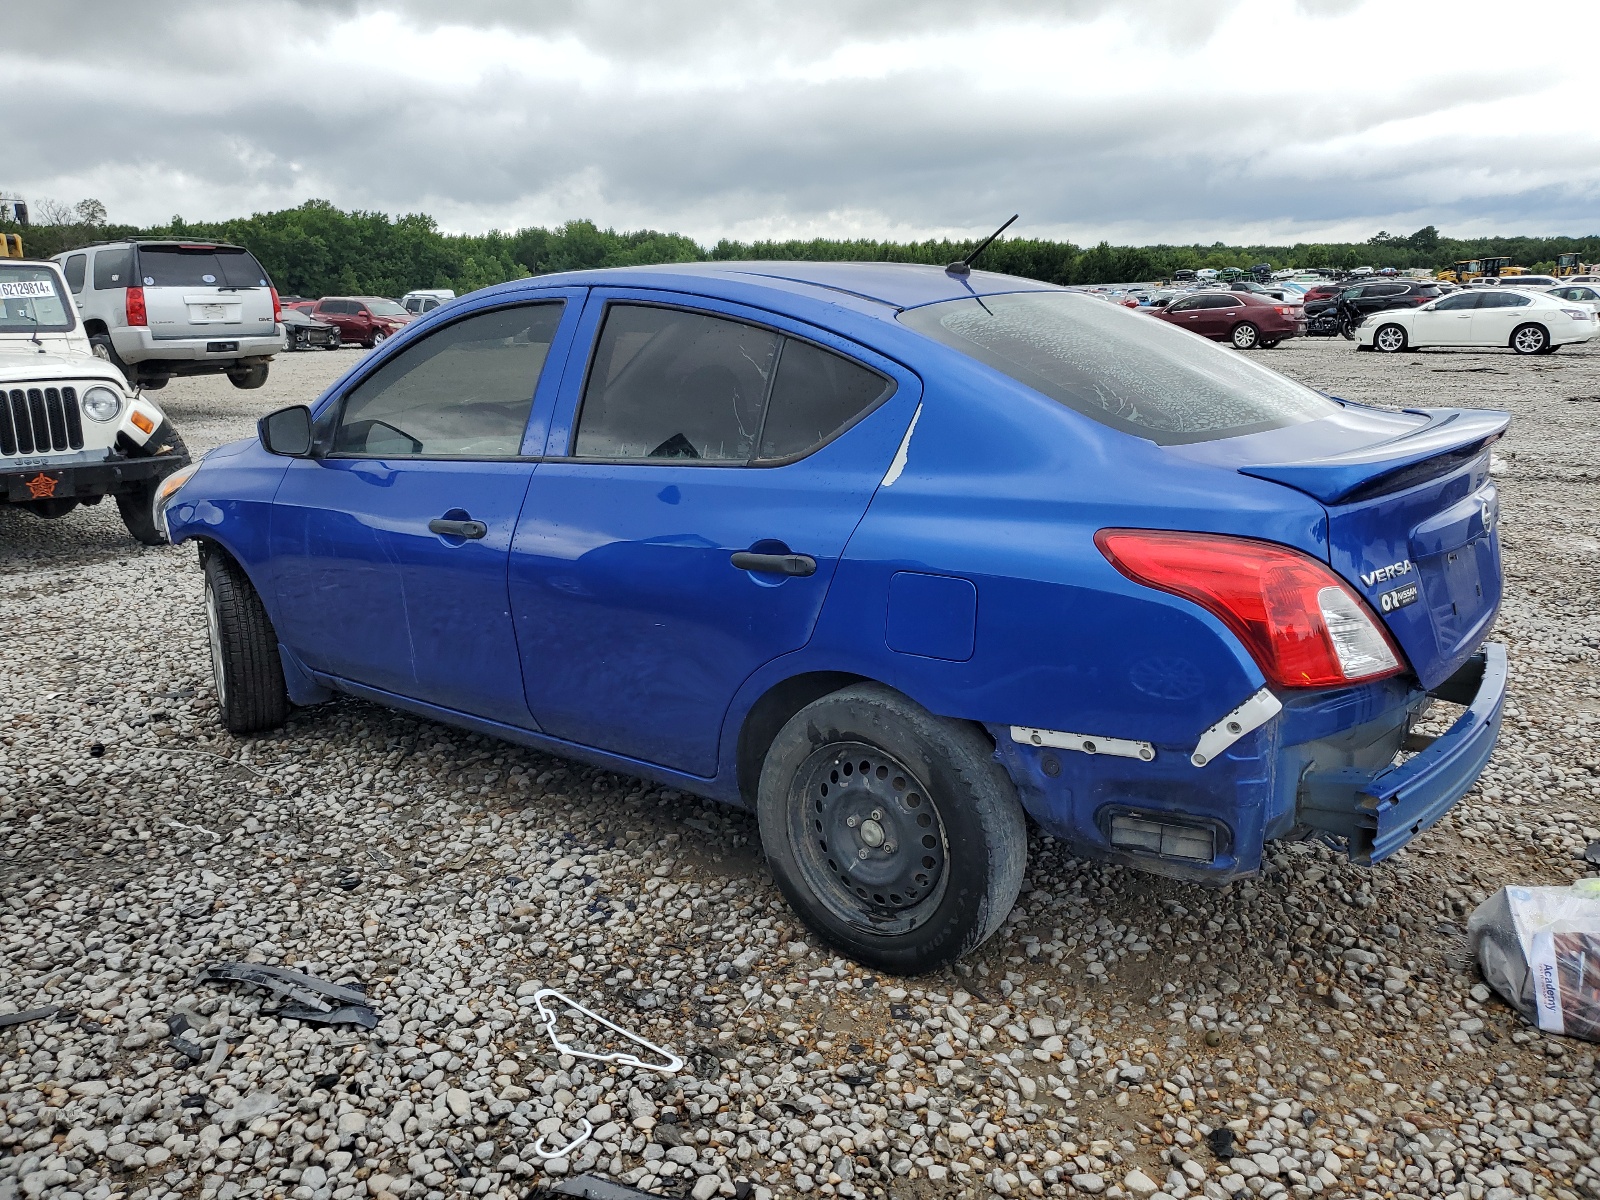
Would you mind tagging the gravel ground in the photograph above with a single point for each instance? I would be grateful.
(1100, 1044)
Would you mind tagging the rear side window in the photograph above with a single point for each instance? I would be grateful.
(817, 393)
(112, 269)
(199, 266)
(1505, 300)
(1222, 302)
(74, 271)
(672, 384)
(463, 391)
(1147, 378)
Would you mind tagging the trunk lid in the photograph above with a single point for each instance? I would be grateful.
(204, 291)
(1412, 517)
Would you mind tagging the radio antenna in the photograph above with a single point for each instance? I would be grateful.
(963, 266)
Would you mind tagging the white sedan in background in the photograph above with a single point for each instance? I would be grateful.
(1580, 295)
(1527, 322)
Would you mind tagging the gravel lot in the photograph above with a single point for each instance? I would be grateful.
(1323, 1014)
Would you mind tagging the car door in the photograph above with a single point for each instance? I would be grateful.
(1498, 313)
(1219, 313)
(1184, 311)
(1448, 322)
(702, 478)
(389, 547)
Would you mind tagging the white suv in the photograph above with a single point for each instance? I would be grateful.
(71, 430)
(159, 308)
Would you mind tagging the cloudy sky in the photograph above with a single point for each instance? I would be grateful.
(1157, 120)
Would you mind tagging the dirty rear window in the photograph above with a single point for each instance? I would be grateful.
(199, 266)
(1125, 369)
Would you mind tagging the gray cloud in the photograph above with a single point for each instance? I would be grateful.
(768, 118)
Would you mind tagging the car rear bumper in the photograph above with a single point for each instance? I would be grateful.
(78, 480)
(1409, 797)
(137, 345)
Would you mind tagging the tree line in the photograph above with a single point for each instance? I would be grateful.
(318, 250)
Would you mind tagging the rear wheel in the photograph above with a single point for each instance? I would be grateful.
(1245, 336)
(892, 832)
(1391, 339)
(248, 378)
(1271, 343)
(245, 668)
(101, 345)
(1530, 339)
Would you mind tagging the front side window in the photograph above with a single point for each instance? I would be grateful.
(1184, 305)
(199, 266)
(112, 269)
(1143, 377)
(463, 391)
(31, 300)
(75, 268)
(1459, 301)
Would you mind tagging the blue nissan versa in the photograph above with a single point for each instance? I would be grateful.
(891, 554)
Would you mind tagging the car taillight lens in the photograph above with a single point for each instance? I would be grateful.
(1287, 310)
(277, 308)
(135, 307)
(1301, 623)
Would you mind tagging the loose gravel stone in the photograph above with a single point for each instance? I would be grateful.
(1321, 1015)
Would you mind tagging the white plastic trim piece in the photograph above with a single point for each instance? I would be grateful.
(564, 1151)
(670, 1066)
(899, 463)
(1083, 743)
(1249, 716)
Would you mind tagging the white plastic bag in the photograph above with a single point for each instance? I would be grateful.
(1539, 947)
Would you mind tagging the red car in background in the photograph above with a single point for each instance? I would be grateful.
(367, 320)
(1243, 319)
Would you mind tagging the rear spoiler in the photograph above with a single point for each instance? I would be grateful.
(1451, 437)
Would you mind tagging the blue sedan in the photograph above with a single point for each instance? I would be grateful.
(896, 557)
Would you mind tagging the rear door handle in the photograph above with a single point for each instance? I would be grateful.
(775, 564)
(460, 529)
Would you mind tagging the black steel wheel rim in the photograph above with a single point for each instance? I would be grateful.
(868, 837)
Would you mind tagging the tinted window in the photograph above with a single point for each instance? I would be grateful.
(1145, 377)
(816, 394)
(74, 270)
(1459, 301)
(1384, 289)
(199, 266)
(464, 390)
(671, 384)
(1223, 302)
(112, 269)
(1505, 300)
(339, 307)
(1184, 305)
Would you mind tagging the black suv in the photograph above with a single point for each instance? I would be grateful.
(1379, 295)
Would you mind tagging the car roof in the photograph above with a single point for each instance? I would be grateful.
(878, 288)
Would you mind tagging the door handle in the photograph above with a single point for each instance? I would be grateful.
(461, 529)
(775, 564)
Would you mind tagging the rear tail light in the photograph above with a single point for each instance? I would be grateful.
(1287, 310)
(1301, 622)
(135, 307)
(277, 307)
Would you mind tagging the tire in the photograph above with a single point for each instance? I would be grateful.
(335, 342)
(248, 378)
(378, 338)
(138, 507)
(1530, 339)
(101, 345)
(1390, 339)
(153, 383)
(1245, 336)
(245, 668)
(927, 781)
(1272, 343)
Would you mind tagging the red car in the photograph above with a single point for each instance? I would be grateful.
(1244, 319)
(367, 320)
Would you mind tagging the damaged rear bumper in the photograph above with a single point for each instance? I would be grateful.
(1380, 815)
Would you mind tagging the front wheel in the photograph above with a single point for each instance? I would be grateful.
(892, 832)
(137, 507)
(245, 668)
(1530, 339)
(379, 337)
(335, 342)
(1391, 339)
(1245, 336)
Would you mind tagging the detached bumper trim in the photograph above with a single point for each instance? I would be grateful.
(1406, 799)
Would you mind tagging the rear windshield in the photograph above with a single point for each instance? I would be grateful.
(200, 266)
(31, 301)
(1127, 370)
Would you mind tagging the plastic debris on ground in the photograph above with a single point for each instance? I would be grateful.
(313, 1000)
(1539, 947)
